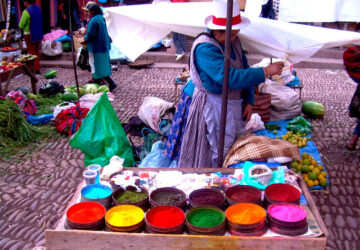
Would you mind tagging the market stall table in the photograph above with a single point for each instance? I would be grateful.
(27, 68)
(60, 238)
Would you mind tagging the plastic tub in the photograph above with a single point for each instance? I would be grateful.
(246, 219)
(165, 220)
(86, 216)
(97, 193)
(144, 203)
(287, 218)
(243, 194)
(279, 193)
(205, 220)
(207, 197)
(168, 196)
(125, 218)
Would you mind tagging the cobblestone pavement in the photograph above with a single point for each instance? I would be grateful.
(37, 184)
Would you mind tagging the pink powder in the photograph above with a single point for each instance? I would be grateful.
(287, 212)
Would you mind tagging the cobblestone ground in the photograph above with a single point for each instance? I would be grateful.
(37, 183)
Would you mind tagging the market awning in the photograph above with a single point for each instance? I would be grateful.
(135, 29)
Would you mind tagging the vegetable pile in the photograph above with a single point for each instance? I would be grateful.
(15, 131)
(91, 88)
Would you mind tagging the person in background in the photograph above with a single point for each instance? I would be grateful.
(98, 41)
(65, 14)
(179, 39)
(351, 59)
(32, 26)
(200, 140)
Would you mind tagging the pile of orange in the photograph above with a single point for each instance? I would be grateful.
(312, 172)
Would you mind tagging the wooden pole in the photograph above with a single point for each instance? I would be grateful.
(226, 84)
(73, 53)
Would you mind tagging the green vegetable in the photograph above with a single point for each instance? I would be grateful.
(103, 88)
(15, 131)
(272, 127)
(66, 46)
(67, 89)
(313, 109)
(31, 96)
(69, 96)
(73, 87)
(50, 73)
(91, 89)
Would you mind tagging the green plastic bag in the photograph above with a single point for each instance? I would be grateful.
(101, 136)
(299, 124)
(277, 177)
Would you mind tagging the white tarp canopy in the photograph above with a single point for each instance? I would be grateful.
(319, 10)
(135, 29)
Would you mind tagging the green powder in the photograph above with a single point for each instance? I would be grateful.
(205, 218)
(131, 196)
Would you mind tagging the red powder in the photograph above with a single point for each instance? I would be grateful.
(282, 192)
(86, 212)
(165, 216)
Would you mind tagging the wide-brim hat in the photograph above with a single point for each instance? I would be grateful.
(88, 4)
(217, 21)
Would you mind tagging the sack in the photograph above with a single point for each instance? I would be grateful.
(285, 102)
(69, 120)
(152, 110)
(101, 136)
(354, 107)
(51, 88)
(83, 60)
(351, 58)
(60, 107)
(50, 48)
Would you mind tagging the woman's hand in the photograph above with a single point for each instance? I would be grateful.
(274, 69)
(247, 112)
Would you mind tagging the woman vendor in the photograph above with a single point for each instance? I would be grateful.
(200, 138)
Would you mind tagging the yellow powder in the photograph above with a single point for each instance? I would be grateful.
(124, 215)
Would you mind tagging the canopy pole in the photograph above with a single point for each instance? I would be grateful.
(225, 87)
(73, 53)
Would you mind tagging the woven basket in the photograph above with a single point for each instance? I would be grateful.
(262, 105)
(77, 42)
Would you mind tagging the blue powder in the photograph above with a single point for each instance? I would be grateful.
(96, 191)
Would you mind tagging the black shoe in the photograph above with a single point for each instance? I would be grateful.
(37, 72)
(112, 87)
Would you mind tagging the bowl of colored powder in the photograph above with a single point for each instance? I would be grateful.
(205, 220)
(165, 219)
(97, 193)
(131, 196)
(125, 218)
(86, 215)
(279, 193)
(243, 194)
(207, 197)
(168, 196)
(287, 219)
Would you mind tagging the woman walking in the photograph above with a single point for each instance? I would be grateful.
(98, 41)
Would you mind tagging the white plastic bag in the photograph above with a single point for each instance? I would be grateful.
(62, 106)
(89, 100)
(115, 165)
(50, 48)
(255, 123)
(151, 111)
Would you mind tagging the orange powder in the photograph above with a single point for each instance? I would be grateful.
(245, 213)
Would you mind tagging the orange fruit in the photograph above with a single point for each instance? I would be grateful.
(313, 175)
(309, 183)
(316, 182)
(323, 173)
(323, 182)
(320, 167)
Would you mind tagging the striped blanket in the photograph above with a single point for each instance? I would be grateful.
(253, 147)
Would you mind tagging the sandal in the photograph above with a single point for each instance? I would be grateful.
(351, 148)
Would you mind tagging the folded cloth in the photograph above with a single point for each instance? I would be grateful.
(250, 147)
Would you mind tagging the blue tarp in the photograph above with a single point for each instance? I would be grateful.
(310, 148)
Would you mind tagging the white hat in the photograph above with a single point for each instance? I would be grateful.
(217, 21)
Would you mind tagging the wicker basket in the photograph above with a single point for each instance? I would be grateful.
(77, 41)
(262, 105)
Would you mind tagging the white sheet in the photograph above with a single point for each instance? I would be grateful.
(135, 29)
(319, 10)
